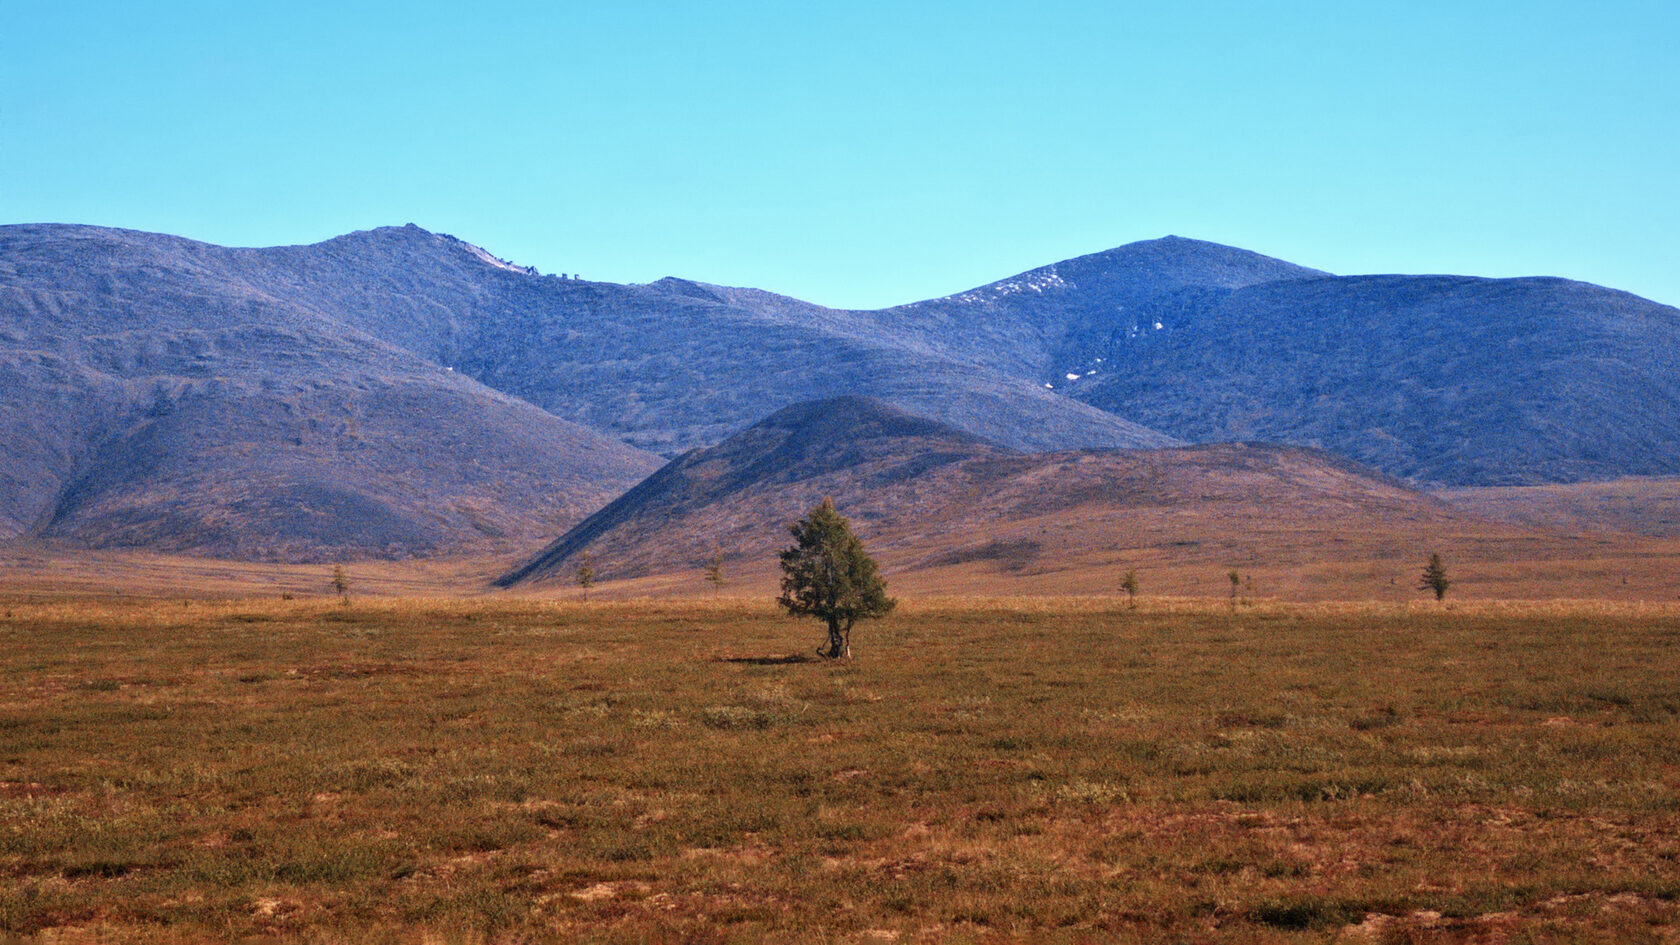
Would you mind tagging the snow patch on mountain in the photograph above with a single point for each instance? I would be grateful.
(1035, 282)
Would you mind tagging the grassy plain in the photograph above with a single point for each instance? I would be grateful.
(517, 769)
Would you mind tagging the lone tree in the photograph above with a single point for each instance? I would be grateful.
(1236, 585)
(1129, 584)
(1435, 577)
(714, 571)
(341, 584)
(828, 575)
(585, 573)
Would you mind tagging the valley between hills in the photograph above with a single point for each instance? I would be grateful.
(181, 418)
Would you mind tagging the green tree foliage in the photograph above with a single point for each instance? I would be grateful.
(1129, 584)
(1435, 577)
(828, 575)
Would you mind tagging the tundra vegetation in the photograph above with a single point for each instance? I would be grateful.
(1062, 770)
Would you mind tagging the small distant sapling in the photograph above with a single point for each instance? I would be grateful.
(714, 571)
(341, 584)
(585, 573)
(1435, 577)
(1129, 584)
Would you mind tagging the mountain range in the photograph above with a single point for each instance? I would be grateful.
(397, 392)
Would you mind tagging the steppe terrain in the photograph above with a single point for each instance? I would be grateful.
(200, 741)
(1546, 550)
(517, 770)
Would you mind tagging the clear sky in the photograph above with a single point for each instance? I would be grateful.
(865, 153)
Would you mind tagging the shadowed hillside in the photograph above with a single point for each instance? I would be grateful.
(925, 496)
(738, 495)
(1439, 379)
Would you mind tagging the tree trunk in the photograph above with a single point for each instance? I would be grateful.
(836, 642)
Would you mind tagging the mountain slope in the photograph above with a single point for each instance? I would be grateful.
(849, 448)
(140, 408)
(141, 375)
(927, 496)
(664, 367)
(1033, 323)
(385, 468)
(1441, 379)
(1635, 505)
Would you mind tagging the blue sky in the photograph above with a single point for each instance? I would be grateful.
(866, 153)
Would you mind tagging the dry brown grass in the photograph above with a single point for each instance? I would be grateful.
(44, 572)
(500, 770)
(1618, 568)
(1646, 505)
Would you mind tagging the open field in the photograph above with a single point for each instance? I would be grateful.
(1604, 541)
(45, 572)
(518, 769)
(1645, 505)
(1295, 562)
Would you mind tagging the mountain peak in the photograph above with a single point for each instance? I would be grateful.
(1204, 262)
(687, 288)
(824, 434)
